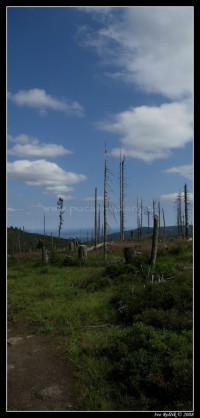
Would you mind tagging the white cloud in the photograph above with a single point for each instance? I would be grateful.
(183, 170)
(31, 147)
(150, 133)
(64, 197)
(91, 199)
(40, 100)
(151, 47)
(173, 196)
(44, 174)
(13, 210)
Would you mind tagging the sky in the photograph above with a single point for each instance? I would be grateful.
(80, 79)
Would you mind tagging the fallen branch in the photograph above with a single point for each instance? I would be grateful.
(96, 326)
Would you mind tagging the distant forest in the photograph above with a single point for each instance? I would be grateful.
(19, 240)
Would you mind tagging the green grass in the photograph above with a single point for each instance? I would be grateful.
(108, 317)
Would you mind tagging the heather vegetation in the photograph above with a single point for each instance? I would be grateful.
(127, 329)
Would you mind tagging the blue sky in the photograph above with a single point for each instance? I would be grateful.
(80, 76)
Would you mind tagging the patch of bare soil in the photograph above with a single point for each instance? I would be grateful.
(38, 378)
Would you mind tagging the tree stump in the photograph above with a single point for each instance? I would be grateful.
(82, 251)
(45, 258)
(71, 246)
(129, 254)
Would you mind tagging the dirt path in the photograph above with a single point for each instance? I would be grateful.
(38, 379)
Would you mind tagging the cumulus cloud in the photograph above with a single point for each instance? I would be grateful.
(40, 100)
(31, 147)
(150, 133)
(151, 47)
(44, 174)
(183, 170)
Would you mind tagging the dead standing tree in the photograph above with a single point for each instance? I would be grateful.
(186, 204)
(106, 201)
(60, 207)
(178, 204)
(95, 219)
(122, 187)
(154, 241)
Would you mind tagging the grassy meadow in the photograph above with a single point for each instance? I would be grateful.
(127, 330)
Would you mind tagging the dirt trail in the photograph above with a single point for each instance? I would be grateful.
(38, 379)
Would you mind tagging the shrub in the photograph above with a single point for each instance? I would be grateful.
(151, 368)
(116, 270)
(175, 295)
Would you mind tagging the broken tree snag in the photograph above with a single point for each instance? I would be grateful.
(154, 241)
(45, 258)
(82, 251)
(129, 254)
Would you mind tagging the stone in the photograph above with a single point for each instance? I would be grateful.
(14, 340)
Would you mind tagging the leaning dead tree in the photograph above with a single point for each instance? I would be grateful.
(154, 241)
(163, 213)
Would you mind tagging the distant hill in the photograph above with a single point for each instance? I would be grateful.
(170, 231)
(22, 241)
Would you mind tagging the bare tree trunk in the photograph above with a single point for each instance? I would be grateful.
(154, 241)
(186, 210)
(44, 229)
(123, 185)
(159, 218)
(141, 213)
(99, 225)
(120, 195)
(105, 204)
(163, 220)
(95, 219)
(148, 213)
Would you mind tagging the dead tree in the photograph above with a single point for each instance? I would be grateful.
(163, 220)
(99, 225)
(106, 201)
(122, 187)
(159, 218)
(154, 241)
(60, 207)
(138, 219)
(186, 203)
(141, 213)
(95, 219)
(179, 214)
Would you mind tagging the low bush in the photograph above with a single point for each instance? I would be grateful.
(150, 369)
